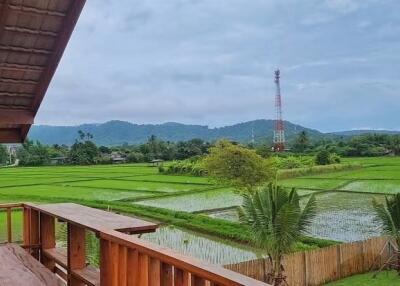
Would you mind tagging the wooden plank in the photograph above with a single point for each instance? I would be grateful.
(9, 226)
(122, 265)
(197, 281)
(89, 275)
(143, 278)
(94, 219)
(59, 255)
(34, 231)
(16, 116)
(69, 23)
(166, 275)
(181, 278)
(133, 266)
(154, 272)
(210, 272)
(10, 136)
(76, 252)
(47, 239)
(26, 226)
(105, 263)
(114, 260)
(18, 268)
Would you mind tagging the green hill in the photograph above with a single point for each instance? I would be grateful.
(120, 132)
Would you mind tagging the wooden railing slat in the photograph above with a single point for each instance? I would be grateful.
(34, 235)
(181, 278)
(155, 272)
(197, 281)
(143, 270)
(76, 252)
(166, 275)
(114, 258)
(105, 263)
(47, 239)
(9, 226)
(122, 266)
(133, 266)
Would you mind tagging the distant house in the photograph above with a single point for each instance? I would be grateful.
(117, 158)
(156, 162)
(58, 160)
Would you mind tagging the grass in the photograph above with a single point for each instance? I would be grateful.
(374, 186)
(313, 183)
(389, 278)
(139, 190)
(214, 199)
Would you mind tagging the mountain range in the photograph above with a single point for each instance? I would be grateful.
(116, 132)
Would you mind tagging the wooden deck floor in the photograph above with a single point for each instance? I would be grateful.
(17, 268)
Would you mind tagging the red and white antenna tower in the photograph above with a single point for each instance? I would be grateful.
(279, 132)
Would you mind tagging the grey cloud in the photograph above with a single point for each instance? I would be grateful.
(212, 62)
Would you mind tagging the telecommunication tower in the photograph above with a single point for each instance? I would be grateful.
(279, 132)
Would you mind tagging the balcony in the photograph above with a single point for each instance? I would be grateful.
(124, 259)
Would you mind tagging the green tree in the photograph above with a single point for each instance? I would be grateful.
(237, 166)
(83, 153)
(388, 216)
(3, 155)
(302, 142)
(395, 145)
(276, 222)
(33, 154)
(323, 157)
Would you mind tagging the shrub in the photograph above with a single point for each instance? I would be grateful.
(192, 167)
(323, 157)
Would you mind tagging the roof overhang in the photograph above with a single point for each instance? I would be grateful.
(33, 37)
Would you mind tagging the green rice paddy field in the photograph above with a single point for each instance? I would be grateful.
(196, 213)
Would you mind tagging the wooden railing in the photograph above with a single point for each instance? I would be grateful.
(124, 259)
(127, 260)
(8, 209)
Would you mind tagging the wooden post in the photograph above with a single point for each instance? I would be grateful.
(9, 226)
(306, 276)
(198, 281)
(76, 252)
(26, 227)
(181, 277)
(34, 236)
(154, 272)
(339, 250)
(133, 266)
(166, 275)
(47, 239)
(105, 263)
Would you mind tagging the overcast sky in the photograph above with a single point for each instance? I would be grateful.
(211, 62)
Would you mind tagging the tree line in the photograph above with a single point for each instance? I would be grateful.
(85, 152)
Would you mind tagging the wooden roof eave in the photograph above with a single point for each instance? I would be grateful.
(18, 109)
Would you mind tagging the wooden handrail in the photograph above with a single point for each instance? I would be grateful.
(216, 275)
(12, 206)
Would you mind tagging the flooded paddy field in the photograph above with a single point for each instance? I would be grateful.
(340, 216)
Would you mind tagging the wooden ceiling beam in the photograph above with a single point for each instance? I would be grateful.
(64, 35)
(16, 94)
(22, 117)
(33, 10)
(17, 81)
(30, 31)
(8, 135)
(24, 50)
(18, 67)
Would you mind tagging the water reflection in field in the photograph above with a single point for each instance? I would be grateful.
(341, 216)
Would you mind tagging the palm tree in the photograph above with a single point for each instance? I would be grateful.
(276, 222)
(388, 216)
